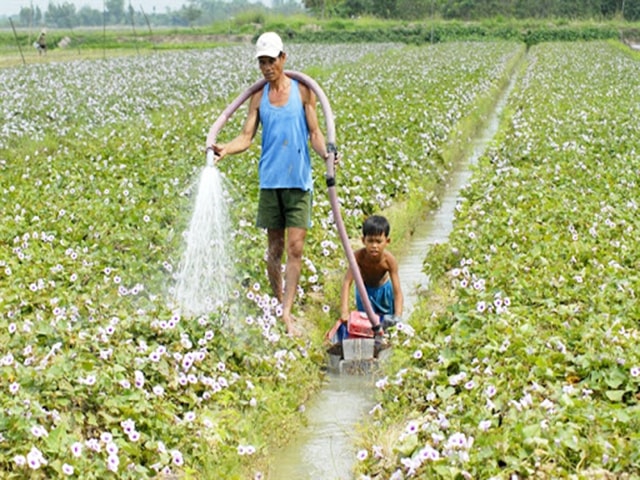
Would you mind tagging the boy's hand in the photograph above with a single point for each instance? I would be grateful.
(389, 321)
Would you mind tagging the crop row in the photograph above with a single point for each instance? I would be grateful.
(525, 359)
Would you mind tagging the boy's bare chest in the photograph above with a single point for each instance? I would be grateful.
(374, 274)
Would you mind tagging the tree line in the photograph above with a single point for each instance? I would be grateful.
(116, 12)
(203, 12)
(478, 9)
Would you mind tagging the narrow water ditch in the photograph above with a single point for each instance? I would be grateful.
(323, 450)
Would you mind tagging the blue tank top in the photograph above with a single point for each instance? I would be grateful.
(284, 161)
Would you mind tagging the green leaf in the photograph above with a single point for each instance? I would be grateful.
(444, 471)
(445, 392)
(614, 395)
(622, 416)
(531, 431)
(408, 445)
(56, 438)
(615, 378)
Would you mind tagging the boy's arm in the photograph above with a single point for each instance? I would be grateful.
(398, 298)
(345, 294)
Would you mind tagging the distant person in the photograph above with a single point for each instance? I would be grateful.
(286, 109)
(41, 43)
(379, 271)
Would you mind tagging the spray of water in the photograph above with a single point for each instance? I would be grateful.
(206, 267)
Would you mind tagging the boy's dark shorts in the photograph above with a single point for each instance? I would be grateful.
(283, 208)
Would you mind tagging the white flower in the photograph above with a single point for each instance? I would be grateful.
(113, 462)
(111, 448)
(429, 453)
(189, 417)
(458, 441)
(177, 458)
(35, 459)
(76, 449)
(382, 383)
(484, 425)
(39, 431)
(412, 427)
(547, 404)
(377, 451)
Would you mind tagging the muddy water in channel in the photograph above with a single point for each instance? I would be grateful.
(323, 450)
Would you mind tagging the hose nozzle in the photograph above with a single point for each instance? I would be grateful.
(210, 162)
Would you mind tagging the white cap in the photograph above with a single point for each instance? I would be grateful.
(269, 45)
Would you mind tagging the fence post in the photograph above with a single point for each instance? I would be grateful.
(17, 41)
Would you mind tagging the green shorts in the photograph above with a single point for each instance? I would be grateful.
(284, 207)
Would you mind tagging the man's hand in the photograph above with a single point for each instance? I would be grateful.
(218, 151)
(336, 158)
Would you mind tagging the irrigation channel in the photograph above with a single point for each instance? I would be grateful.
(323, 449)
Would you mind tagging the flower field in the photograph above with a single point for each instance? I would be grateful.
(100, 375)
(524, 362)
(521, 361)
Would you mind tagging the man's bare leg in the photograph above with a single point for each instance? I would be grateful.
(295, 245)
(275, 250)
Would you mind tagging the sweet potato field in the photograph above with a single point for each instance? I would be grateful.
(521, 361)
(524, 362)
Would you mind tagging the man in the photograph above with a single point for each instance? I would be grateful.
(41, 43)
(286, 109)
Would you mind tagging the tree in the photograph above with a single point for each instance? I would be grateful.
(323, 8)
(89, 16)
(26, 16)
(459, 9)
(571, 9)
(414, 9)
(115, 9)
(62, 16)
(384, 8)
(355, 8)
(190, 12)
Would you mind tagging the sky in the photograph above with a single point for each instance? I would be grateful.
(12, 7)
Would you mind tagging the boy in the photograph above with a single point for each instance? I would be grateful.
(379, 271)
